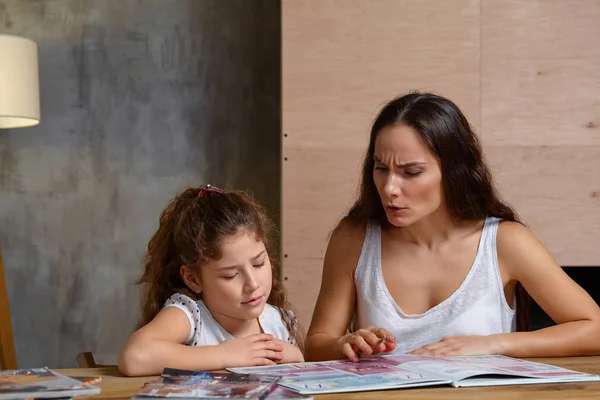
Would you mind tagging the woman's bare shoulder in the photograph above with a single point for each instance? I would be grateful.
(345, 244)
(350, 230)
(521, 252)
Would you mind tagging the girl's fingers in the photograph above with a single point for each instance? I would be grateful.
(275, 346)
(260, 337)
(271, 355)
(264, 361)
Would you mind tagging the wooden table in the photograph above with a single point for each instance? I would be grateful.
(115, 386)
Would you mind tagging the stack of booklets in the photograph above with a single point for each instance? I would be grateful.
(408, 371)
(183, 384)
(42, 383)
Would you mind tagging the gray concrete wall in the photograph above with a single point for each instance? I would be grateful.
(139, 99)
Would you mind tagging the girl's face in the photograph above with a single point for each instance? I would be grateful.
(239, 283)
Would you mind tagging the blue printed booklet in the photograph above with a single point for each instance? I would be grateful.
(407, 371)
(182, 384)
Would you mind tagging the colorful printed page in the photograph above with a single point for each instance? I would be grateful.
(404, 371)
(41, 383)
(378, 373)
(176, 383)
(470, 371)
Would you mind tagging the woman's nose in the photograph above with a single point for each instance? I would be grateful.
(392, 187)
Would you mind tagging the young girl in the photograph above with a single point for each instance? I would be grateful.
(210, 300)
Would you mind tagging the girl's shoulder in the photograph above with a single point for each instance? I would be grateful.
(192, 308)
(180, 299)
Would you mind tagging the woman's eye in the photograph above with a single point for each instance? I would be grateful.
(412, 173)
(229, 277)
(259, 265)
(381, 167)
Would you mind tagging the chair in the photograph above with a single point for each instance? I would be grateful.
(86, 360)
(8, 355)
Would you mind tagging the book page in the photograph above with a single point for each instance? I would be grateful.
(399, 371)
(345, 376)
(463, 367)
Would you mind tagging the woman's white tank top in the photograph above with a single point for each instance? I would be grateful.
(477, 307)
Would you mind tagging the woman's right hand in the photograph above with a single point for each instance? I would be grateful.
(253, 350)
(368, 341)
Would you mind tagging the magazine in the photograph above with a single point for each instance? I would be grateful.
(177, 383)
(41, 383)
(406, 371)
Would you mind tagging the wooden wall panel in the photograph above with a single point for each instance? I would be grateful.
(342, 60)
(540, 100)
(321, 185)
(556, 190)
(543, 29)
(325, 182)
(540, 71)
(526, 74)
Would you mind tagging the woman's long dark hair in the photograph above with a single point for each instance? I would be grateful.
(468, 188)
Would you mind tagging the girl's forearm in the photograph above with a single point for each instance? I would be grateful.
(567, 339)
(149, 357)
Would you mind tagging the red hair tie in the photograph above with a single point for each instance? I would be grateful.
(209, 188)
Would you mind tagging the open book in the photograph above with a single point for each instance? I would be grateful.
(41, 383)
(405, 371)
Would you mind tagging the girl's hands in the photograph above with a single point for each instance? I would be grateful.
(367, 341)
(253, 350)
(291, 353)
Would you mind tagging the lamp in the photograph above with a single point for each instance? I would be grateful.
(19, 83)
(19, 107)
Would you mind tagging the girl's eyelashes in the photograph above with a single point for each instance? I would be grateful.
(230, 277)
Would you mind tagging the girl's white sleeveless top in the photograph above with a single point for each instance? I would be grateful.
(206, 331)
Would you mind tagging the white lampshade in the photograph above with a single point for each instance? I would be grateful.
(19, 83)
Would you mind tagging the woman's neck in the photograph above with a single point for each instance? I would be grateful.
(429, 231)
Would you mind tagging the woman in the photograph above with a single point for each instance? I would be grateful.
(430, 261)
